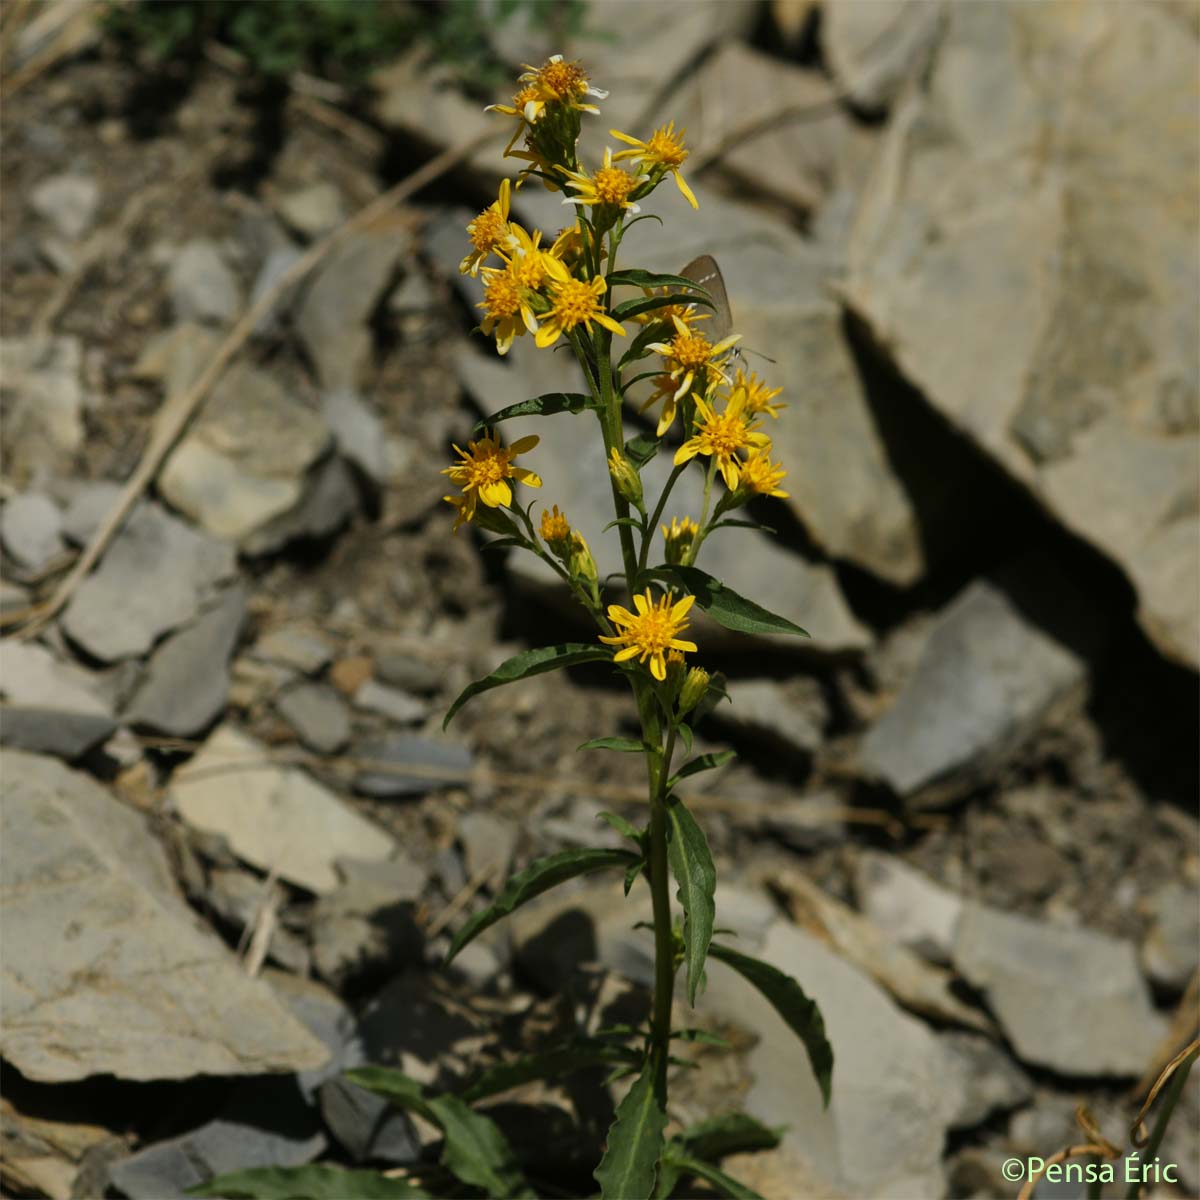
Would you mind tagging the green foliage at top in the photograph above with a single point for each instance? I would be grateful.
(342, 40)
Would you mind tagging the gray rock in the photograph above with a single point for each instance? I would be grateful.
(359, 432)
(90, 503)
(155, 576)
(83, 873)
(1172, 946)
(989, 674)
(31, 676)
(239, 898)
(794, 714)
(367, 1125)
(872, 1039)
(308, 651)
(177, 356)
(313, 210)
(1072, 1000)
(907, 905)
(874, 47)
(323, 1014)
(401, 669)
(332, 315)
(809, 822)
(273, 817)
(390, 702)
(245, 460)
(415, 766)
(278, 262)
(62, 733)
(329, 501)
(186, 685)
(43, 404)
(31, 529)
(577, 826)
(986, 1079)
(1090, 399)
(68, 202)
(488, 842)
(317, 714)
(202, 286)
(266, 1124)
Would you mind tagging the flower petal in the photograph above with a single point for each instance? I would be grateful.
(524, 444)
(687, 191)
(626, 654)
(658, 666)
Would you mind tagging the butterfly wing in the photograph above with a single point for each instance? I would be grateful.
(704, 271)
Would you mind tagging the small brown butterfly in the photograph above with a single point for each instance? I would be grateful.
(704, 270)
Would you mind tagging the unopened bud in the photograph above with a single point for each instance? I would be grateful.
(629, 483)
(679, 536)
(580, 562)
(693, 690)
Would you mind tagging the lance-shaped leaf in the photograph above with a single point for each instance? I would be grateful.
(656, 331)
(623, 744)
(308, 1183)
(789, 1001)
(531, 662)
(729, 1133)
(641, 449)
(541, 406)
(649, 279)
(703, 762)
(562, 1060)
(635, 1142)
(634, 308)
(726, 606)
(692, 866)
(475, 1150)
(537, 878)
(683, 1163)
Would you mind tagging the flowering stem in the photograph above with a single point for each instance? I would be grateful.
(698, 541)
(648, 534)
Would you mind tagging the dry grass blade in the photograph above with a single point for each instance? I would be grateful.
(178, 410)
(1138, 1134)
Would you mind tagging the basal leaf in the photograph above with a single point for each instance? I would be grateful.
(623, 744)
(541, 406)
(726, 606)
(725, 1185)
(641, 449)
(531, 662)
(574, 1056)
(635, 1142)
(704, 762)
(307, 1183)
(692, 866)
(789, 1001)
(729, 1133)
(537, 878)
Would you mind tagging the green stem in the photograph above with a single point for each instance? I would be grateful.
(652, 524)
(1170, 1099)
(694, 549)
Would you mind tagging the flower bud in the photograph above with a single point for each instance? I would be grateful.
(556, 531)
(580, 563)
(679, 536)
(629, 483)
(693, 690)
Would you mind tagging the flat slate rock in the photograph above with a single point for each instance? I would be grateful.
(31, 529)
(277, 818)
(135, 988)
(156, 575)
(66, 735)
(415, 766)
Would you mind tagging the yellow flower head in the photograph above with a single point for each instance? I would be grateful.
(525, 258)
(663, 152)
(690, 356)
(573, 302)
(484, 472)
(759, 397)
(650, 632)
(759, 475)
(555, 530)
(723, 435)
(506, 305)
(606, 187)
(554, 82)
(488, 231)
(679, 536)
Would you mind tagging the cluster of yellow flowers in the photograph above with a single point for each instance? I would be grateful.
(560, 290)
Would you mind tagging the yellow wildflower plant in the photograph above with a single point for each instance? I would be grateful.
(649, 633)
(723, 436)
(484, 473)
(662, 153)
(570, 287)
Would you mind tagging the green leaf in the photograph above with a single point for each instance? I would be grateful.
(725, 606)
(648, 279)
(705, 762)
(622, 826)
(685, 734)
(634, 308)
(631, 875)
(729, 1133)
(633, 521)
(628, 383)
(692, 866)
(475, 1150)
(541, 406)
(623, 744)
(537, 878)
(744, 525)
(635, 1142)
(656, 331)
(531, 662)
(503, 543)
(703, 1037)
(789, 1001)
(641, 449)
(574, 1056)
(307, 1183)
(725, 1184)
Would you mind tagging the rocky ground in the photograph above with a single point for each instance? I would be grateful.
(963, 813)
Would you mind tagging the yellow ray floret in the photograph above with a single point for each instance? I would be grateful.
(760, 475)
(723, 435)
(506, 304)
(692, 358)
(573, 302)
(606, 187)
(759, 397)
(651, 632)
(489, 231)
(484, 472)
(664, 150)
